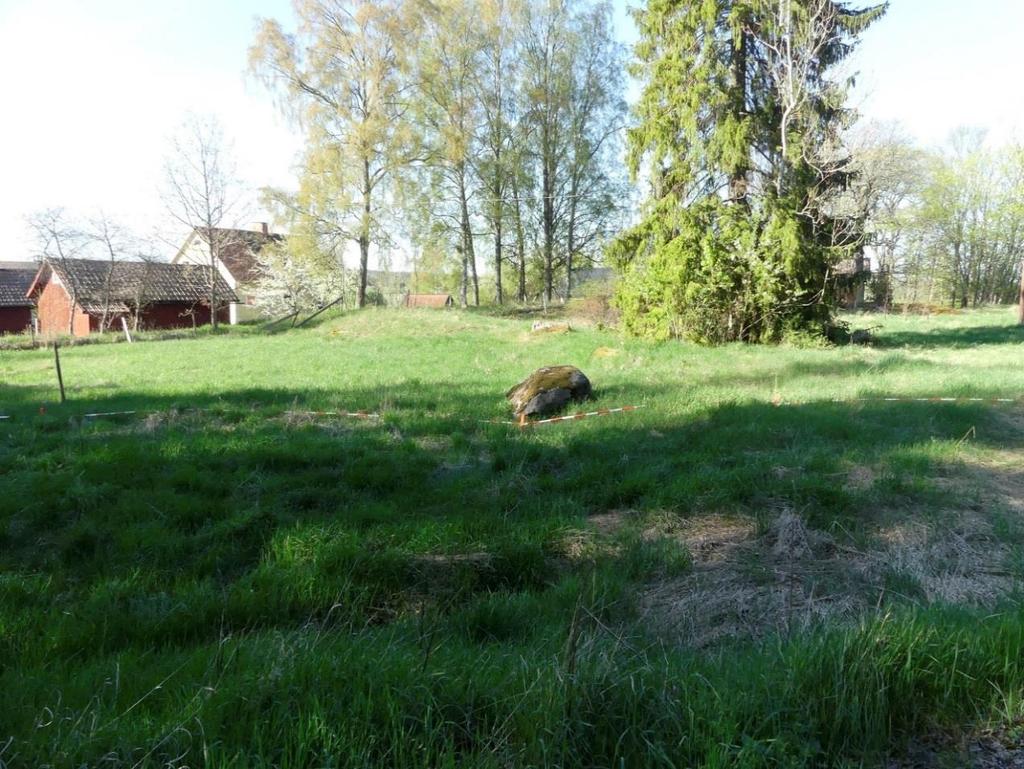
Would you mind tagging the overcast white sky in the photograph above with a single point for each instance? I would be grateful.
(93, 88)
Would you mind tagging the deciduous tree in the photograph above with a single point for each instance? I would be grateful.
(450, 117)
(59, 239)
(201, 191)
(341, 76)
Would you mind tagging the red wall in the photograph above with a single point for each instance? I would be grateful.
(55, 304)
(53, 309)
(15, 320)
(177, 315)
(164, 315)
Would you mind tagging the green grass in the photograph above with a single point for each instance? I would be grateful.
(222, 584)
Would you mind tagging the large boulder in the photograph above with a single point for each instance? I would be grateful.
(550, 327)
(548, 389)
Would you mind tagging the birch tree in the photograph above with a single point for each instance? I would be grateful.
(140, 292)
(547, 58)
(340, 76)
(595, 191)
(500, 26)
(449, 113)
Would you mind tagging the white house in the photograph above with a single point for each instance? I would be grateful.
(237, 262)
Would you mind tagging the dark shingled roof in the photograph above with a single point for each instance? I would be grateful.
(15, 278)
(158, 282)
(848, 267)
(240, 249)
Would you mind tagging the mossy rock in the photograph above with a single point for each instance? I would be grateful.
(548, 389)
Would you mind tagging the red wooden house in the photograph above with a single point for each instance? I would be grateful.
(82, 296)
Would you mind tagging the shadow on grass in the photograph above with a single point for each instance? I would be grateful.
(840, 368)
(953, 337)
(215, 516)
(203, 484)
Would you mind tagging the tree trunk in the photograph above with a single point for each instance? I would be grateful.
(364, 235)
(364, 262)
(738, 179)
(212, 253)
(498, 203)
(214, 248)
(213, 296)
(213, 277)
(858, 285)
(520, 241)
(468, 254)
(464, 278)
(499, 294)
(570, 243)
(1020, 297)
(472, 267)
(549, 226)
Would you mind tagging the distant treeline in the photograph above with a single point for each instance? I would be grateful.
(946, 226)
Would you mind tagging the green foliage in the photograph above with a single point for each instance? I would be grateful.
(744, 159)
(342, 79)
(965, 227)
(453, 126)
(714, 273)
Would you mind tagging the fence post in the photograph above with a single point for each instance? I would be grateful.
(60, 376)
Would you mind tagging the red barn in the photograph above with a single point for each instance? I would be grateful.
(15, 306)
(87, 295)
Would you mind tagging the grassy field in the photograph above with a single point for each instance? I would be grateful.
(765, 565)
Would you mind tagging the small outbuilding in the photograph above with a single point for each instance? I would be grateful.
(15, 306)
(436, 301)
(80, 295)
(849, 278)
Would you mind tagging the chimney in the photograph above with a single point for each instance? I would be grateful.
(260, 227)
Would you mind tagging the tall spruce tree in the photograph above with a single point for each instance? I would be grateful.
(738, 130)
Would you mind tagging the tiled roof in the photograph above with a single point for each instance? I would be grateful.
(849, 267)
(158, 282)
(240, 249)
(15, 278)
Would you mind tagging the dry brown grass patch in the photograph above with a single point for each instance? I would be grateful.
(791, 576)
(860, 477)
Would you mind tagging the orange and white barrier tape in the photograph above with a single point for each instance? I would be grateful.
(524, 422)
(930, 400)
(776, 400)
(353, 414)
